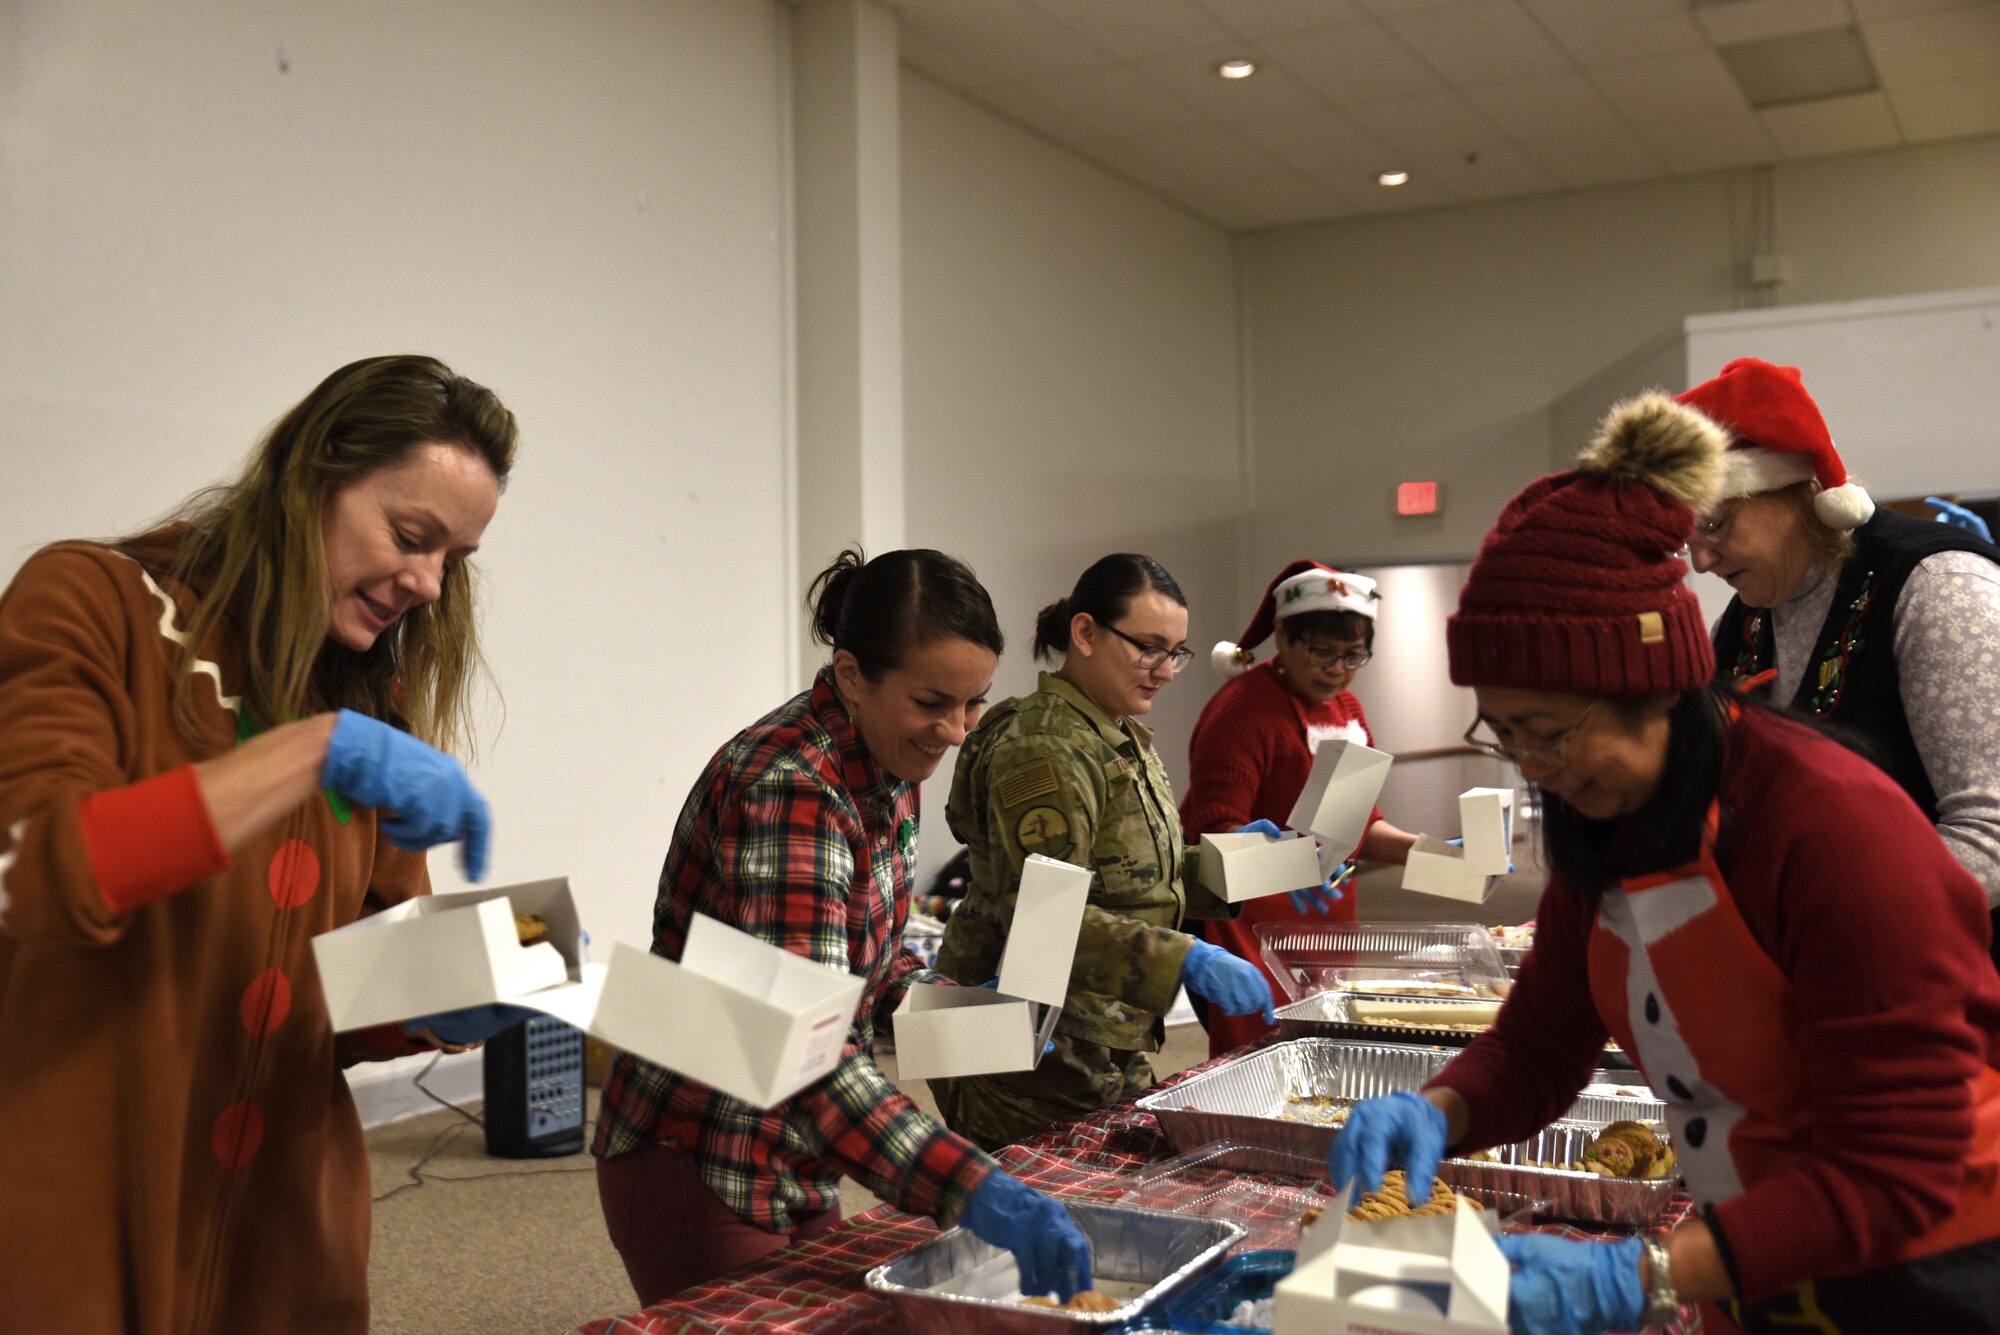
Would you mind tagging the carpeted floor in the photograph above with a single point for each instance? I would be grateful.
(506, 1247)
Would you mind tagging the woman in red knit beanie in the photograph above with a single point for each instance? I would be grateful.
(1717, 905)
(1253, 747)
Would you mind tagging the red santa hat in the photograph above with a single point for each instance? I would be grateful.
(1777, 438)
(1302, 586)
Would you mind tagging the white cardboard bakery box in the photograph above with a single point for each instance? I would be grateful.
(1470, 872)
(944, 1032)
(1340, 793)
(739, 1014)
(1416, 1275)
(1250, 866)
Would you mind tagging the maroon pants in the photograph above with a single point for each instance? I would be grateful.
(671, 1229)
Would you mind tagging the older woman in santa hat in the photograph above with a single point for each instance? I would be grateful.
(1253, 746)
(1764, 921)
(1885, 625)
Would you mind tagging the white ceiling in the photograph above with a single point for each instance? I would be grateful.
(1477, 99)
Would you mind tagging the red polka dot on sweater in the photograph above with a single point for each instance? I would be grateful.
(237, 1134)
(266, 1002)
(294, 874)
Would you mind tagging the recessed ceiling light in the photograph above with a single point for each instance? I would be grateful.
(1236, 69)
(1392, 178)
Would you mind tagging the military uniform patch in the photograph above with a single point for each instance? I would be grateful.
(1022, 786)
(1044, 830)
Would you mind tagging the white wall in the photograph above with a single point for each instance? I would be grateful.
(1433, 345)
(1071, 388)
(580, 205)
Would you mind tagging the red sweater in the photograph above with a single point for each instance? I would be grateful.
(1253, 748)
(1884, 938)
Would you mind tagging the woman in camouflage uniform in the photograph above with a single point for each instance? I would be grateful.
(1070, 773)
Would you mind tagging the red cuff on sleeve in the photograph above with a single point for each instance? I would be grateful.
(150, 839)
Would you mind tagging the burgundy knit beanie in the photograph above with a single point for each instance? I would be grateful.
(1580, 588)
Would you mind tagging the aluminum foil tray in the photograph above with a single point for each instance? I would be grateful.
(1572, 1193)
(1382, 958)
(957, 1285)
(1327, 1015)
(1248, 1099)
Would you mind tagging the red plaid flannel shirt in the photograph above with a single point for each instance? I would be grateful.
(795, 835)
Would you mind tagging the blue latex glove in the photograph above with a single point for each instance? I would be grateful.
(1566, 1287)
(1050, 1250)
(1460, 843)
(1401, 1129)
(1236, 986)
(433, 802)
(1263, 827)
(1322, 897)
(1950, 512)
(474, 1024)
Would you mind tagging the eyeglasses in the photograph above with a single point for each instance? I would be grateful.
(1712, 529)
(1152, 655)
(1323, 657)
(1551, 754)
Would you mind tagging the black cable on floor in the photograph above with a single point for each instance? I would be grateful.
(444, 1138)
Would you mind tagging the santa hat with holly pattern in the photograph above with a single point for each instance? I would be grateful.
(1777, 438)
(1302, 586)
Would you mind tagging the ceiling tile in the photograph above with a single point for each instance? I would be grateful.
(1594, 153)
(1672, 86)
(1141, 168)
(1192, 79)
(1210, 156)
(1136, 29)
(1617, 34)
(1419, 192)
(949, 68)
(1496, 173)
(1869, 11)
(1385, 7)
(1357, 63)
(1930, 48)
(1559, 14)
(1948, 110)
(1111, 103)
(1018, 104)
(1219, 207)
(1728, 22)
(1433, 123)
(1833, 125)
(1545, 104)
(1478, 40)
(1292, 199)
(1714, 142)
(1007, 38)
(1324, 143)
(1270, 18)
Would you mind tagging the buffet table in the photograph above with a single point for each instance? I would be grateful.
(817, 1286)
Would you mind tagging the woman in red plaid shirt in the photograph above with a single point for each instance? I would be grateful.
(802, 830)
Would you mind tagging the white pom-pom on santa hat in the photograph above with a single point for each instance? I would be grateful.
(1844, 507)
(1230, 659)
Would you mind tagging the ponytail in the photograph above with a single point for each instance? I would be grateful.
(1104, 593)
(881, 609)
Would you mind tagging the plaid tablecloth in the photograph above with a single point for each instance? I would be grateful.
(817, 1286)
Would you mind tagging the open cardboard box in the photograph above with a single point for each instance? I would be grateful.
(1470, 873)
(1250, 866)
(1415, 1275)
(944, 1032)
(1339, 794)
(739, 1014)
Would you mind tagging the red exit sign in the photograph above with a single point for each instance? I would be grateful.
(1416, 498)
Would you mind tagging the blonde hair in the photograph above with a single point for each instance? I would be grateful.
(255, 548)
(1829, 546)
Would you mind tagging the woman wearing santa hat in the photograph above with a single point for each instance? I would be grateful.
(1882, 624)
(1717, 904)
(1253, 746)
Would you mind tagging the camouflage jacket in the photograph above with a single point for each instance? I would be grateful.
(1051, 773)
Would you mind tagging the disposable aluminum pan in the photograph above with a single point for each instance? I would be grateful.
(957, 1285)
(1329, 1015)
(1525, 1170)
(1252, 1098)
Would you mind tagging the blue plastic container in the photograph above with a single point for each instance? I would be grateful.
(1204, 1306)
